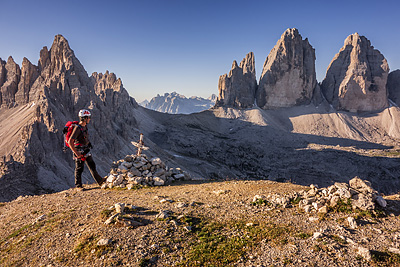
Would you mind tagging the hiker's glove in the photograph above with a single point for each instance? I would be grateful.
(90, 145)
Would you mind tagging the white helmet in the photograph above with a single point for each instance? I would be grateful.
(84, 113)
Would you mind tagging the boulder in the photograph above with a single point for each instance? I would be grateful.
(163, 214)
(155, 161)
(104, 242)
(362, 202)
(363, 186)
(381, 201)
(288, 77)
(237, 89)
(158, 181)
(118, 180)
(352, 222)
(365, 253)
(119, 207)
(356, 78)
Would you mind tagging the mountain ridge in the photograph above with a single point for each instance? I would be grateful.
(303, 143)
(175, 103)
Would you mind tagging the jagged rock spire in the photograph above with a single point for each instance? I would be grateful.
(10, 74)
(356, 78)
(237, 89)
(288, 77)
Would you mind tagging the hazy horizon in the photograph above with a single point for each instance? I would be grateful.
(158, 47)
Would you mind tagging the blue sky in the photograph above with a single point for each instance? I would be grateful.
(184, 46)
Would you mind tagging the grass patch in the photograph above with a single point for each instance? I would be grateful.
(17, 232)
(88, 247)
(377, 213)
(221, 244)
(296, 200)
(338, 239)
(105, 214)
(343, 206)
(260, 202)
(304, 235)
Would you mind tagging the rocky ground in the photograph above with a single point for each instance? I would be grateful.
(195, 224)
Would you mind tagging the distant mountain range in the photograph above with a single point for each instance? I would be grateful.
(175, 103)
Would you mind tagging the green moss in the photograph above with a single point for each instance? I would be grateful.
(260, 202)
(304, 235)
(343, 206)
(87, 247)
(295, 201)
(223, 244)
(105, 213)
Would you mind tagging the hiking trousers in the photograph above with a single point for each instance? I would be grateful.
(79, 166)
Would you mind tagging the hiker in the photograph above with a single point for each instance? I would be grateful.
(80, 146)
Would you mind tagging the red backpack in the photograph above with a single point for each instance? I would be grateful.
(67, 131)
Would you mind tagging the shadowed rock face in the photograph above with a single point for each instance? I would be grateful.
(10, 75)
(356, 78)
(288, 77)
(237, 89)
(393, 86)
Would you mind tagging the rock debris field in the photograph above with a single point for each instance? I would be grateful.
(193, 223)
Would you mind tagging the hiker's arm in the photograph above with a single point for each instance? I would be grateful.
(72, 146)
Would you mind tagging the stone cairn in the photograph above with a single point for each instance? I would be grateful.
(140, 170)
(359, 192)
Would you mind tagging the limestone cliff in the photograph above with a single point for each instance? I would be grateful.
(237, 89)
(356, 78)
(288, 77)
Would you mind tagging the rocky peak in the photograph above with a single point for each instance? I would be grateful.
(288, 77)
(2, 72)
(238, 88)
(44, 59)
(29, 74)
(356, 78)
(11, 74)
(248, 64)
(109, 88)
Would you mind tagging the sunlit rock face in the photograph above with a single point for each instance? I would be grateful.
(237, 89)
(288, 77)
(356, 78)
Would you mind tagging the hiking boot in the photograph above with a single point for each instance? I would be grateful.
(79, 188)
(102, 181)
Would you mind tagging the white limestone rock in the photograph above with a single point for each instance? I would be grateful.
(158, 181)
(118, 180)
(357, 76)
(155, 161)
(237, 89)
(288, 77)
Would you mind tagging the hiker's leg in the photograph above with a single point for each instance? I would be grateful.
(92, 168)
(79, 166)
